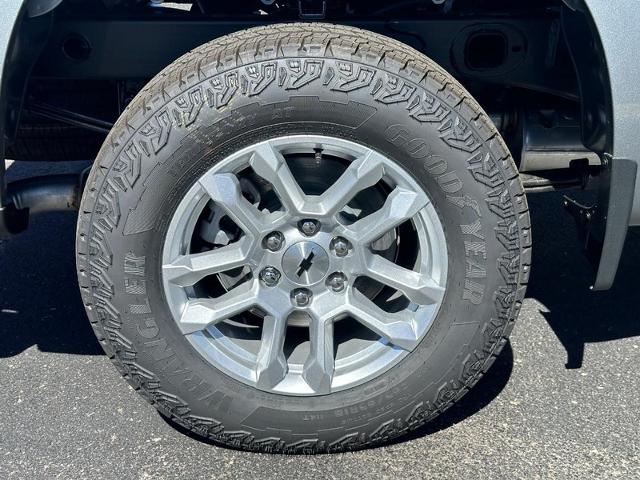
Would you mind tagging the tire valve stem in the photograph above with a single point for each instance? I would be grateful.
(318, 155)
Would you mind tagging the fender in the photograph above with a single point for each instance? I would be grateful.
(617, 26)
(10, 12)
(614, 30)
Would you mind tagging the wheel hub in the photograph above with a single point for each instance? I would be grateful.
(305, 263)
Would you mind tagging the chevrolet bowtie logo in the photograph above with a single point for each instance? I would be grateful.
(305, 264)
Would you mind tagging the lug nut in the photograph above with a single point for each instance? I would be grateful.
(270, 276)
(301, 297)
(274, 241)
(340, 246)
(337, 281)
(309, 227)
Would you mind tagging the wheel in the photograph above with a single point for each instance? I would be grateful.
(303, 238)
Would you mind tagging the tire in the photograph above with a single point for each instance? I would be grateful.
(286, 80)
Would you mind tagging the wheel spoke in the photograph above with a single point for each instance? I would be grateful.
(224, 190)
(199, 313)
(187, 270)
(396, 327)
(319, 367)
(271, 365)
(271, 165)
(417, 287)
(400, 206)
(363, 172)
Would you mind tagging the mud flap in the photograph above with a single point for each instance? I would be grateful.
(617, 194)
(603, 227)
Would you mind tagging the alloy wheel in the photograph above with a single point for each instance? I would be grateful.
(304, 265)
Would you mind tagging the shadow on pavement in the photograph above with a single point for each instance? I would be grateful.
(560, 280)
(39, 299)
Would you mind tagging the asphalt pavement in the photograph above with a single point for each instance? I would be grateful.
(562, 400)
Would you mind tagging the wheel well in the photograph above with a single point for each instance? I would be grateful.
(76, 68)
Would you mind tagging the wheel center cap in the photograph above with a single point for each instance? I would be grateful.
(305, 263)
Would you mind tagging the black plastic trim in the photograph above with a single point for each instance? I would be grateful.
(617, 200)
